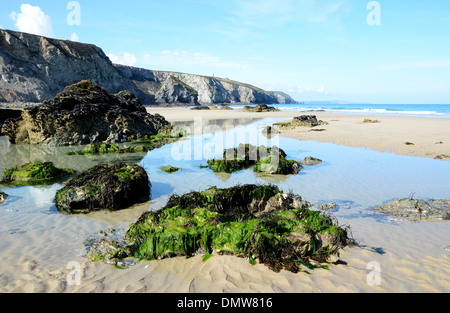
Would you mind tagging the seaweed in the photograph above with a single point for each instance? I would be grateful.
(279, 234)
(32, 174)
(262, 159)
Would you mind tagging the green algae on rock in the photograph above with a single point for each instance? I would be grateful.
(260, 223)
(32, 174)
(264, 160)
(169, 169)
(104, 187)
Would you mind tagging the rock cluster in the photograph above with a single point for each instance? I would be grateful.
(84, 113)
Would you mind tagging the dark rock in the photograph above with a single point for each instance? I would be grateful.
(3, 197)
(308, 121)
(84, 113)
(104, 187)
(260, 108)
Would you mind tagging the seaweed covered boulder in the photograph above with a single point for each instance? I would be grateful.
(301, 121)
(32, 174)
(104, 187)
(84, 113)
(261, 108)
(264, 160)
(260, 223)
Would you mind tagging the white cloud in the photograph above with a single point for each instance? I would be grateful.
(124, 59)
(74, 37)
(32, 20)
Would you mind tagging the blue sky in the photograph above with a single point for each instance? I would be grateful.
(315, 50)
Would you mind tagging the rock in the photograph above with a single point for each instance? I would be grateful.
(226, 108)
(301, 121)
(3, 197)
(32, 174)
(35, 68)
(201, 108)
(260, 108)
(84, 113)
(270, 132)
(264, 160)
(368, 121)
(417, 210)
(104, 187)
(307, 121)
(169, 169)
(104, 148)
(311, 161)
(256, 222)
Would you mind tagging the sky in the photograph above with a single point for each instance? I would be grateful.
(357, 51)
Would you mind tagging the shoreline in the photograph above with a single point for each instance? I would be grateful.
(430, 137)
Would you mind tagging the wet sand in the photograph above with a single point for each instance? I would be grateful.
(430, 136)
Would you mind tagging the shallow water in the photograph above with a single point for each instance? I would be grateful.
(355, 178)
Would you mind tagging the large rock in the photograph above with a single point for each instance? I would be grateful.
(264, 160)
(417, 210)
(260, 109)
(104, 187)
(260, 223)
(84, 113)
(32, 174)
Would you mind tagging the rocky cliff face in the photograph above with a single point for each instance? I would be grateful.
(35, 68)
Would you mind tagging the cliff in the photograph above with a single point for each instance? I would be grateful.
(35, 68)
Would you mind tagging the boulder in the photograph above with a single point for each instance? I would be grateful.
(311, 161)
(32, 174)
(264, 160)
(260, 108)
(260, 223)
(84, 113)
(417, 210)
(3, 197)
(104, 187)
(301, 121)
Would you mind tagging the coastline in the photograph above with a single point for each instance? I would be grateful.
(430, 136)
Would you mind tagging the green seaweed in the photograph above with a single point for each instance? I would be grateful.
(223, 221)
(32, 174)
(262, 159)
(169, 169)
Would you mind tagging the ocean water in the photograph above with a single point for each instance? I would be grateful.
(419, 110)
(355, 178)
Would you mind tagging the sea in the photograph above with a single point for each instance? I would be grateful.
(418, 110)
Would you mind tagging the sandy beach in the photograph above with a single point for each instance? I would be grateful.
(418, 260)
(430, 136)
